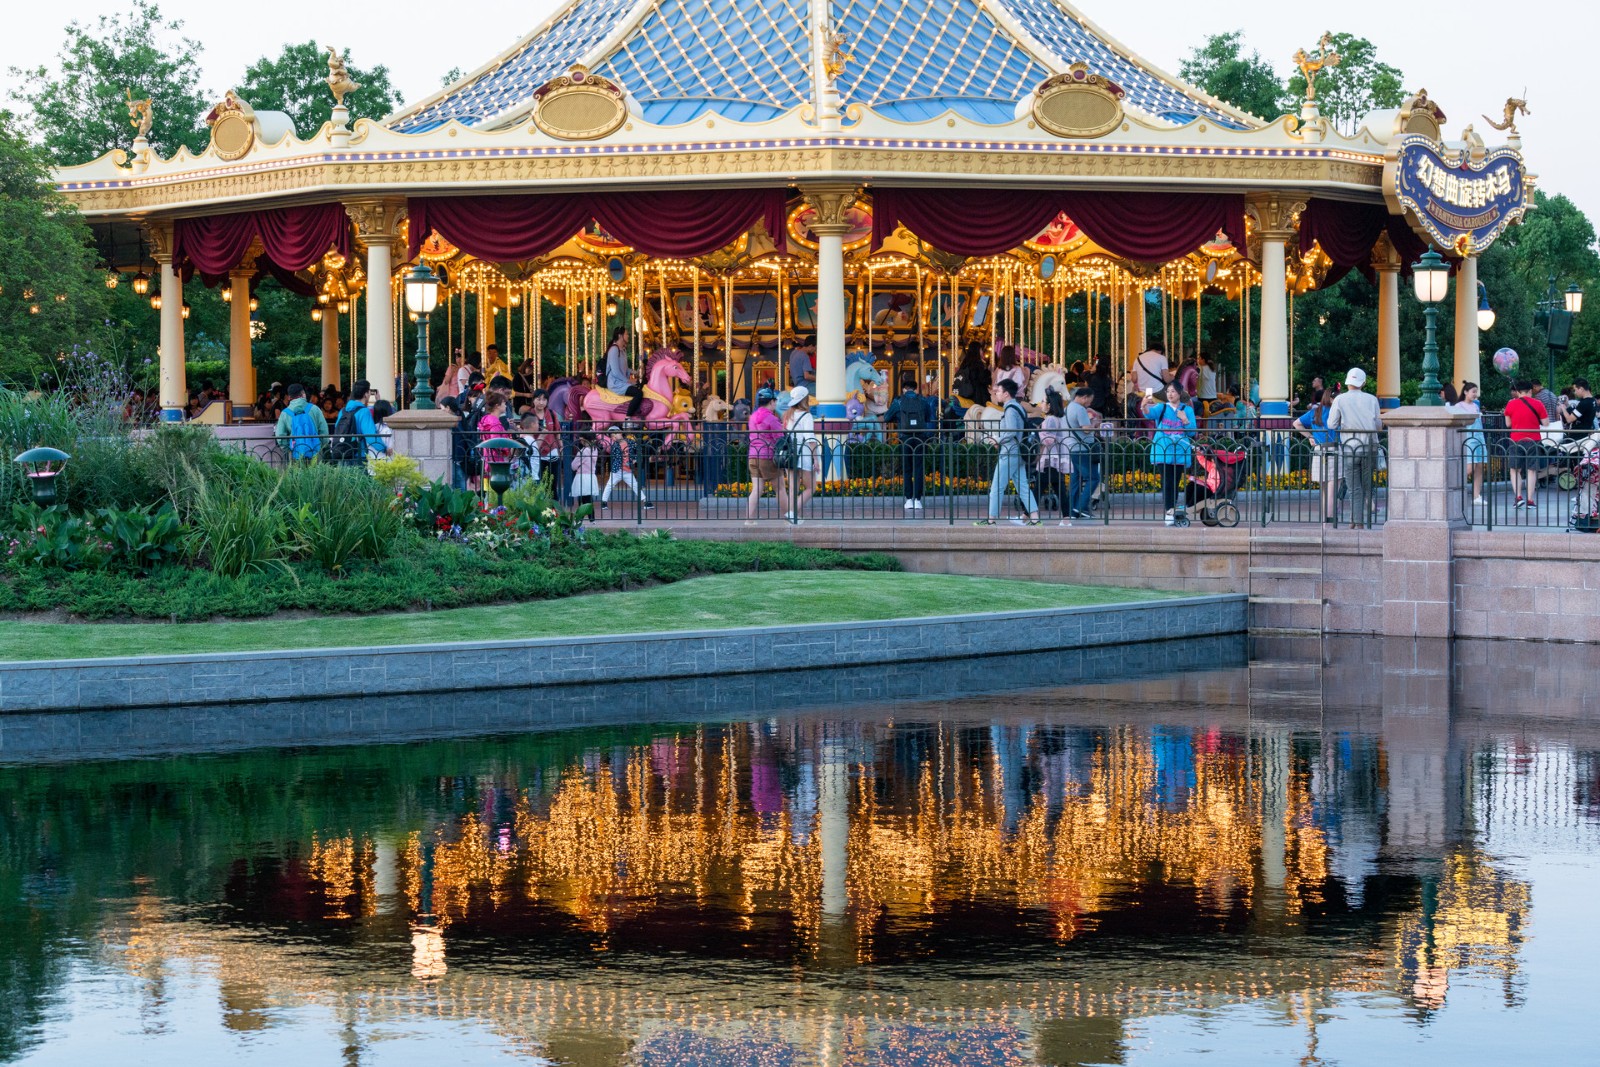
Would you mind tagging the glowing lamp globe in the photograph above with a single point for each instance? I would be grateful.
(1506, 361)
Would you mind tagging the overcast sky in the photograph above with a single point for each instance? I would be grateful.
(1470, 54)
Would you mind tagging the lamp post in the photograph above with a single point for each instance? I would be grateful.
(1556, 311)
(44, 466)
(1486, 314)
(422, 296)
(1431, 277)
(500, 469)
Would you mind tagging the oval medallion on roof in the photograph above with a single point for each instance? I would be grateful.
(579, 106)
(1078, 103)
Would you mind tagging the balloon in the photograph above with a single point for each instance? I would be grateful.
(1506, 360)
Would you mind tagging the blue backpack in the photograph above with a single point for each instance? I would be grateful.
(304, 443)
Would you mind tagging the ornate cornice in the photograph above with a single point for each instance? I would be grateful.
(1276, 215)
(159, 233)
(1384, 255)
(830, 202)
(372, 175)
(376, 219)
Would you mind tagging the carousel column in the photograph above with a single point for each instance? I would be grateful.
(174, 386)
(831, 204)
(378, 224)
(1386, 262)
(1133, 315)
(241, 381)
(1466, 368)
(330, 345)
(1275, 225)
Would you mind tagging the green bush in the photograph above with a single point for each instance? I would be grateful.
(141, 538)
(336, 514)
(237, 533)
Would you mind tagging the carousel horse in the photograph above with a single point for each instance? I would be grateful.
(557, 395)
(1053, 376)
(715, 409)
(982, 424)
(864, 404)
(663, 369)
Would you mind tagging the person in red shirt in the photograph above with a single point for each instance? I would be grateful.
(1525, 454)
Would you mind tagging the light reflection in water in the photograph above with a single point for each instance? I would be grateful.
(1019, 881)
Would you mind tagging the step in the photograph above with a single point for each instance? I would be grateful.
(1285, 541)
(1292, 600)
(1298, 572)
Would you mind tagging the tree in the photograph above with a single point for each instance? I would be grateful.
(296, 83)
(1249, 83)
(51, 295)
(79, 106)
(1358, 86)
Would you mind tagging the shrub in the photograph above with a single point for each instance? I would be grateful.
(397, 474)
(237, 534)
(336, 514)
(141, 538)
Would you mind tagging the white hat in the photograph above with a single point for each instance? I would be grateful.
(1356, 378)
(798, 393)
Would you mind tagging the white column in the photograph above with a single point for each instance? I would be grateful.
(833, 825)
(241, 382)
(1389, 335)
(174, 384)
(830, 226)
(1466, 367)
(380, 327)
(1274, 372)
(330, 347)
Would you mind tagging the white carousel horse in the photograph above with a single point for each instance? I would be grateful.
(982, 424)
(1045, 379)
(715, 409)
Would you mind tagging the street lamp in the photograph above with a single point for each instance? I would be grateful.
(1485, 312)
(44, 468)
(1556, 311)
(1431, 277)
(1574, 297)
(422, 296)
(504, 448)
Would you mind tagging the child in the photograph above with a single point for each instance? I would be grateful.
(528, 463)
(384, 445)
(624, 445)
(585, 487)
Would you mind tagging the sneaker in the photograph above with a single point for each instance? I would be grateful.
(649, 506)
(788, 515)
(910, 504)
(1033, 522)
(1064, 522)
(1477, 501)
(1171, 520)
(916, 505)
(1521, 503)
(1018, 522)
(984, 522)
(604, 506)
(1081, 515)
(750, 522)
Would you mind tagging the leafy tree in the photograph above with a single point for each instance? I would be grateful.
(451, 76)
(78, 106)
(1359, 85)
(51, 295)
(296, 82)
(1248, 82)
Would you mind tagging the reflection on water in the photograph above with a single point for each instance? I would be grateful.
(1192, 865)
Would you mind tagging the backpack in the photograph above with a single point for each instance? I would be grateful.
(786, 453)
(303, 442)
(348, 447)
(913, 418)
(472, 458)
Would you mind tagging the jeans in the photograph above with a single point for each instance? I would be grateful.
(1085, 479)
(1359, 464)
(1010, 469)
(913, 465)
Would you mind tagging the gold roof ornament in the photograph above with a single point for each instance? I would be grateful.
(1078, 103)
(579, 106)
(141, 115)
(1310, 66)
(339, 80)
(1418, 114)
(1515, 105)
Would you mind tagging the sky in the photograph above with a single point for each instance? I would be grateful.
(1470, 60)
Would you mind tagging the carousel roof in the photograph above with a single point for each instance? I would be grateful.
(752, 61)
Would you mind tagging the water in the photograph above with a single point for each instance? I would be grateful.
(1363, 854)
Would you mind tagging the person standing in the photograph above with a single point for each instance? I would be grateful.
(1205, 383)
(1008, 467)
(1055, 453)
(803, 365)
(1171, 450)
(492, 424)
(1150, 369)
(495, 367)
(911, 415)
(302, 428)
(800, 484)
(1580, 413)
(625, 455)
(450, 384)
(548, 441)
(766, 430)
(617, 377)
(354, 432)
(1474, 448)
(1525, 455)
(1083, 438)
(1313, 425)
(1354, 413)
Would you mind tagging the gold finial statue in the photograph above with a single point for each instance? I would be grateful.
(1311, 66)
(338, 77)
(141, 114)
(835, 57)
(1514, 106)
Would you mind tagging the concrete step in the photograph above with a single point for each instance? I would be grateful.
(1309, 601)
(1284, 540)
(1286, 572)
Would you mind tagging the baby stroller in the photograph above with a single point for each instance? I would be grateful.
(1586, 479)
(1570, 457)
(1212, 489)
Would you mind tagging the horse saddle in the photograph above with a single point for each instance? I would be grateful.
(608, 397)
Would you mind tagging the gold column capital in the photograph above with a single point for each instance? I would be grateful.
(159, 233)
(830, 202)
(1384, 256)
(376, 219)
(1276, 215)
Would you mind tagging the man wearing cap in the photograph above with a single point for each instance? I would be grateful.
(1354, 415)
(803, 366)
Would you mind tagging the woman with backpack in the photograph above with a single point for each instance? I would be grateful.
(766, 430)
(1171, 450)
(800, 481)
(1055, 453)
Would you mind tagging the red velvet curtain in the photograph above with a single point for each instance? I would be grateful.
(675, 224)
(1145, 227)
(1348, 231)
(294, 238)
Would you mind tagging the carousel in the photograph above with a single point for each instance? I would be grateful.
(896, 181)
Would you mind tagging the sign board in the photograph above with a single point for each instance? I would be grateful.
(1458, 203)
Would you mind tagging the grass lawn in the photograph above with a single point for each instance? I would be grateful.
(718, 601)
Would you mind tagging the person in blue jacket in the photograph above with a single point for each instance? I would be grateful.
(355, 434)
(1171, 445)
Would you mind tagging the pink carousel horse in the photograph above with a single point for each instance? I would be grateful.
(657, 412)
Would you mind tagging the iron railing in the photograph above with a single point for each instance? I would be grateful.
(1496, 464)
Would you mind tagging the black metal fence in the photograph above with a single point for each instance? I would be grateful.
(1546, 479)
(1221, 476)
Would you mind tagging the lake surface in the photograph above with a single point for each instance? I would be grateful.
(1355, 853)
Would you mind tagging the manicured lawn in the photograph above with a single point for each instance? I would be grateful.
(717, 601)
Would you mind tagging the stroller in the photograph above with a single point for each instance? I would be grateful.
(1221, 470)
(1585, 475)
